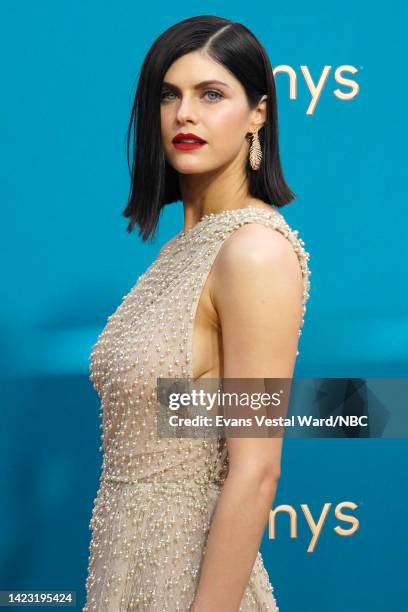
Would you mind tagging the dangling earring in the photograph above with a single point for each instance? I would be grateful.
(255, 152)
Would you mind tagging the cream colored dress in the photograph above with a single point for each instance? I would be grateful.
(156, 496)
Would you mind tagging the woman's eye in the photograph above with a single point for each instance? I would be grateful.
(165, 94)
(217, 95)
(211, 91)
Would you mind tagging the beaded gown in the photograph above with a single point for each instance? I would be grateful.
(153, 509)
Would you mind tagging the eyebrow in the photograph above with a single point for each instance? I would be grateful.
(198, 85)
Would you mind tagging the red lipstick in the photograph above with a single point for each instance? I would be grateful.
(188, 141)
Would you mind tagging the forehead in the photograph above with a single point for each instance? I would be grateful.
(197, 68)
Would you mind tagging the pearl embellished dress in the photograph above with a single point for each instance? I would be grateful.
(153, 509)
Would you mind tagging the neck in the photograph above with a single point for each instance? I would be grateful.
(212, 192)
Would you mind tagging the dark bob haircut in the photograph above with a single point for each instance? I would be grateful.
(154, 183)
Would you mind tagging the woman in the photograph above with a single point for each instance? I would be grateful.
(233, 284)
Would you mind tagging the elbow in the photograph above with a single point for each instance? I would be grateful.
(268, 480)
(263, 478)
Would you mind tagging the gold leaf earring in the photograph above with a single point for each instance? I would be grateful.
(255, 152)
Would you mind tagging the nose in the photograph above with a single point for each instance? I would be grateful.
(186, 111)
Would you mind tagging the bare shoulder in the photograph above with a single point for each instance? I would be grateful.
(256, 251)
(256, 291)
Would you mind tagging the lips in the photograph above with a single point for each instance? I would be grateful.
(188, 146)
(188, 138)
(188, 142)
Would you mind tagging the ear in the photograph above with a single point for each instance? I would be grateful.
(259, 114)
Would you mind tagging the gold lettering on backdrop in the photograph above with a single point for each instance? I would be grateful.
(355, 88)
(346, 518)
(292, 79)
(315, 528)
(293, 520)
(316, 90)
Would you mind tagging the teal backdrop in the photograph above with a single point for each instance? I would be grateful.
(69, 71)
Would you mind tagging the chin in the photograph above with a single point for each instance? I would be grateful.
(190, 168)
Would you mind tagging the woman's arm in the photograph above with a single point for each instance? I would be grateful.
(257, 291)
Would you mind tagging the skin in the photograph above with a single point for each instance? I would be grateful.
(249, 312)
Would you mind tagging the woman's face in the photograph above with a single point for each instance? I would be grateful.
(216, 112)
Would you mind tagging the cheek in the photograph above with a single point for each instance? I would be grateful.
(228, 125)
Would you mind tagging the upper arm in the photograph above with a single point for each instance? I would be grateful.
(257, 292)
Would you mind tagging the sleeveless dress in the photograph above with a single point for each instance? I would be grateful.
(153, 509)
